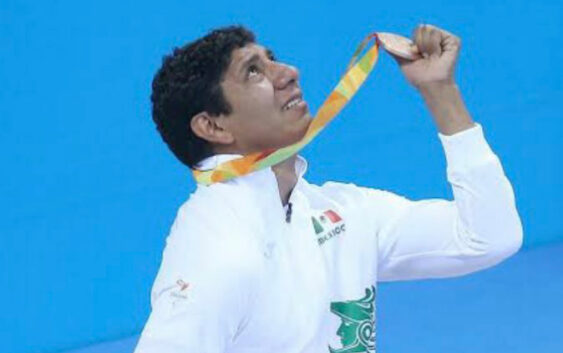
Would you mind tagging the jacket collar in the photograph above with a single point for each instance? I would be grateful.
(301, 163)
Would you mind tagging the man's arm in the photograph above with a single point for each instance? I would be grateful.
(437, 238)
(446, 105)
(203, 290)
(433, 75)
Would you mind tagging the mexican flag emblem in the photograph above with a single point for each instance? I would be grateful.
(326, 219)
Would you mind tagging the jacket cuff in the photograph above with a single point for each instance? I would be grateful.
(467, 148)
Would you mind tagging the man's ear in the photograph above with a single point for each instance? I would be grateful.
(210, 128)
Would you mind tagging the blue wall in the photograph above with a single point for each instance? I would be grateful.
(88, 191)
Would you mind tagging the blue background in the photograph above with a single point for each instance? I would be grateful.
(88, 191)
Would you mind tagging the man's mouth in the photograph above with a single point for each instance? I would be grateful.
(293, 101)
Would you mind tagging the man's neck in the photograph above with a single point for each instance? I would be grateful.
(284, 171)
(286, 176)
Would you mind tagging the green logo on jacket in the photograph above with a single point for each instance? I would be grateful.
(357, 331)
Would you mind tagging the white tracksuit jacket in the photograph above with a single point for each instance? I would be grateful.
(236, 277)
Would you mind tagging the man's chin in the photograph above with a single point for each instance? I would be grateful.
(308, 120)
(291, 137)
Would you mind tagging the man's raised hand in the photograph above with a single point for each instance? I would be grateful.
(438, 50)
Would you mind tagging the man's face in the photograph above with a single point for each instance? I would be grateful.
(259, 90)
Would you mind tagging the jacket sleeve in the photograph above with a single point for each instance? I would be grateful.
(438, 238)
(201, 294)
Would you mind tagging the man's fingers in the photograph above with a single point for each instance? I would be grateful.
(417, 39)
(422, 40)
(435, 40)
(426, 39)
(452, 43)
(431, 40)
(443, 31)
(448, 41)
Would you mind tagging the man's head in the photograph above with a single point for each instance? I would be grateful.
(224, 93)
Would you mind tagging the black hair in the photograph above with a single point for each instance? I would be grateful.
(187, 83)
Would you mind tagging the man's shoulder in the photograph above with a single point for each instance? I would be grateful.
(204, 209)
(338, 190)
(208, 198)
(346, 188)
(352, 193)
(204, 226)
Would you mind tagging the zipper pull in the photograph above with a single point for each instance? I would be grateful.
(288, 213)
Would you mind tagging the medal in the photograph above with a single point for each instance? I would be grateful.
(398, 45)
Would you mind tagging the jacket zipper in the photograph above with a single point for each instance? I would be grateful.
(288, 212)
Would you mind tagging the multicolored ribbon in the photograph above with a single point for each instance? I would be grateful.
(355, 75)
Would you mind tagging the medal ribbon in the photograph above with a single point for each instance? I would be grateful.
(355, 75)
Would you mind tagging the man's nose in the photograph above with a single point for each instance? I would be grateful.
(284, 75)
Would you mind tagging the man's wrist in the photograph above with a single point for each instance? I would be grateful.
(446, 105)
(428, 89)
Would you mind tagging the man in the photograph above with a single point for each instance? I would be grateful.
(267, 262)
